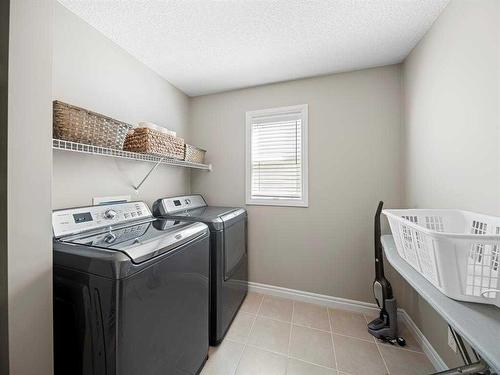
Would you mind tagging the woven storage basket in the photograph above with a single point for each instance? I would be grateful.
(149, 141)
(194, 154)
(75, 124)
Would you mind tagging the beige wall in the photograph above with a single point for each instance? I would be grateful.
(29, 174)
(358, 154)
(354, 149)
(451, 133)
(92, 72)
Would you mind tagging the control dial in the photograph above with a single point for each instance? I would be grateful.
(110, 238)
(110, 214)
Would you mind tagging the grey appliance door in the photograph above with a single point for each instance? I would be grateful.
(230, 277)
(235, 246)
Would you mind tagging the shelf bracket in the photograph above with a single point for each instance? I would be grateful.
(136, 188)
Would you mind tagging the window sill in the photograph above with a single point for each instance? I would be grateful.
(278, 203)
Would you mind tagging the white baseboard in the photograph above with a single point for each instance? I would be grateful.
(319, 299)
(426, 346)
(351, 305)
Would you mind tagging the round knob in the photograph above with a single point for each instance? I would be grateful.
(110, 214)
(110, 238)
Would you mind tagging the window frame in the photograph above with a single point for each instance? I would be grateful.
(304, 202)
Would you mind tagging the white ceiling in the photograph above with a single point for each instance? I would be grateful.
(204, 46)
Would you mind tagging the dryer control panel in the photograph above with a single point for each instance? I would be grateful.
(182, 203)
(77, 220)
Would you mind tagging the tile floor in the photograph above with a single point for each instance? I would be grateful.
(276, 336)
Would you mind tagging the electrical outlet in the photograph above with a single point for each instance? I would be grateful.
(451, 341)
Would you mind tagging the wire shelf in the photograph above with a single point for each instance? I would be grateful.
(59, 144)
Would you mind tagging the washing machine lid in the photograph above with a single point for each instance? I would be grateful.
(143, 240)
(126, 227)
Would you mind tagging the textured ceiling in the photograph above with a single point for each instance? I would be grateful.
(211, 46)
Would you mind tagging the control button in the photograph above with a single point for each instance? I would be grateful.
(127, 215)
(139, 213)
(133, 214)
(110, 214)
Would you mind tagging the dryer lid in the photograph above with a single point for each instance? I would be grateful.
(193, 207)
(209, 213)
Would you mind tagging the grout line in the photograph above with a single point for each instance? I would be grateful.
(247, 313)
(239, 359)
(331, 337)
(355, 338)
(248, 338)
(291, 328)
(373, 337)
(383, 359)
(233, 341)
(268, 350)
(289, 357)
(312, 363)
(295, 324)
(378, 348)
(367, 309)
(373, 340)
(397, 347)
(314, 329)
(290, 338)
(258, 314)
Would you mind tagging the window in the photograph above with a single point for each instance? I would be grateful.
(276, 156)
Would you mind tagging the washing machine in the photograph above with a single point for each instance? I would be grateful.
(131, 292)
(228, 254)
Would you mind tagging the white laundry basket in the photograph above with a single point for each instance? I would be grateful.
(457, 251)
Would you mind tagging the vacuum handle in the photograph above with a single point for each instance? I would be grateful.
(385, 286)
(379, 264)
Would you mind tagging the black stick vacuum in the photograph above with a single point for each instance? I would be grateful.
(385, 327)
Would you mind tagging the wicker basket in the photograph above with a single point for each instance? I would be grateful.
(194, 154)
(75, 124)
(149, 141)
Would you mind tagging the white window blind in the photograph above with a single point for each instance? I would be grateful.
(276, 151)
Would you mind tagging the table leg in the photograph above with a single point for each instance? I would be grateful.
(479, 367)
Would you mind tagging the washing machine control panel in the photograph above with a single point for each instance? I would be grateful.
(183, 203)
(81, 219)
